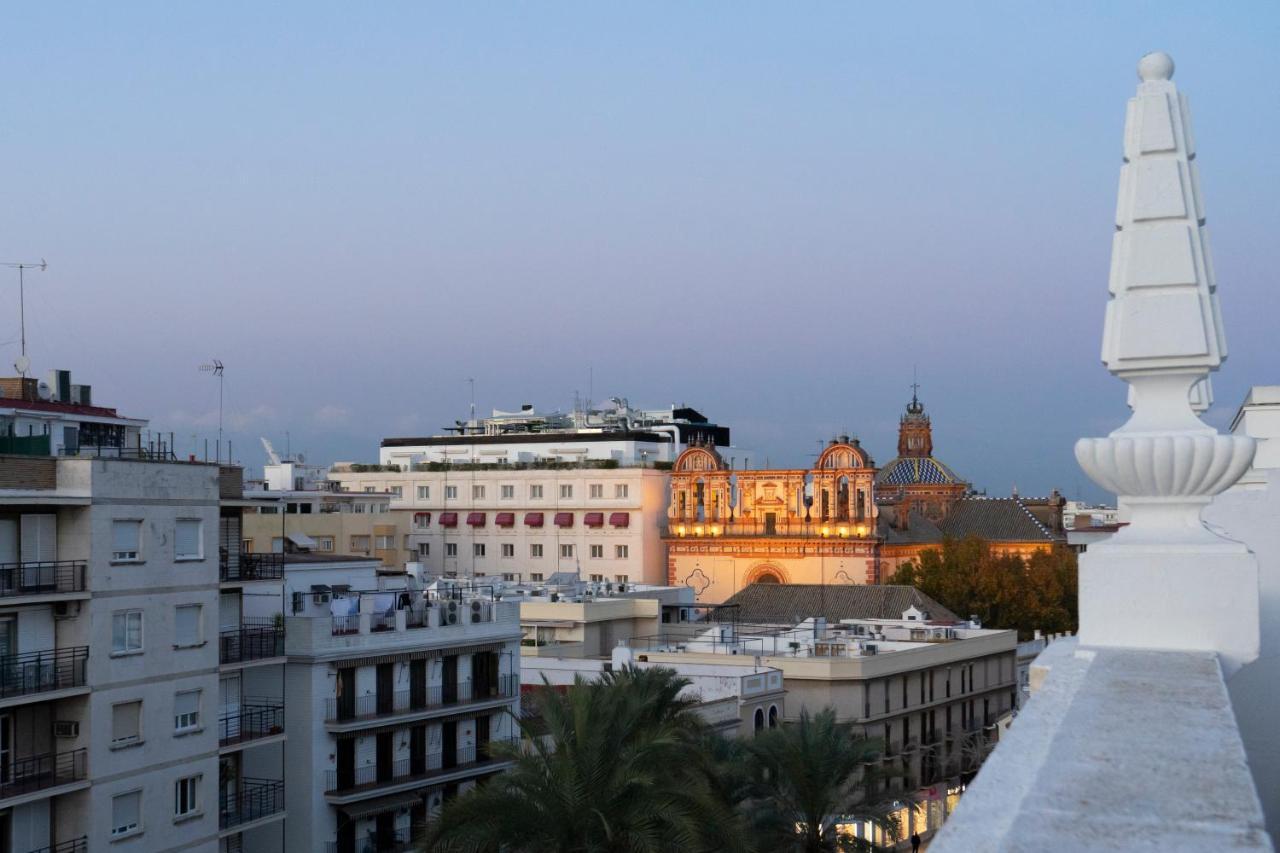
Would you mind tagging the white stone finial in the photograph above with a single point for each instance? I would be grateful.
(1156, 65)
(1163, 335)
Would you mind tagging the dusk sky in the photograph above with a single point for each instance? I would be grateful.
(770, 212)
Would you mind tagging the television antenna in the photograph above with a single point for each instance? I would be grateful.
(23, 364)
(215, 367)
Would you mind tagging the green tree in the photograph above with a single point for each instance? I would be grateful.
(618, 765)
(811, 779)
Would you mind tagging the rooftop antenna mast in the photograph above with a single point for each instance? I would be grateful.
(23, 364)
(215, 367)
(472, 383)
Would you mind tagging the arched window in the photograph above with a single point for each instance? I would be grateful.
(773, 716)
(759, 719)
(767, 577)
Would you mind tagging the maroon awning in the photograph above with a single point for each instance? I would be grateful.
(564, 519)
(448, 519)
(620, 519)
(475, 519)
(505, 519)
(422, 519)
(593, 519)
(533, 519)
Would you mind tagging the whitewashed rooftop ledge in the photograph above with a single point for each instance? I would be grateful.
(1129, 741)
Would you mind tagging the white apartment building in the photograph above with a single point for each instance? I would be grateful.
(396, 695)
(110, 663)
(53, 417)
(526, 523)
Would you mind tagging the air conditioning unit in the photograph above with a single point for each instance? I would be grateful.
(475, 611)
(66, 728)
(320, 598)
(66, 609)
(451, 613)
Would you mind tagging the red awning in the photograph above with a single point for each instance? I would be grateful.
(448, 519)
(533, 519)
(422, 519)
(564, 519)
(593, 519)
(475, 519)
(505, 519)
(620, 519)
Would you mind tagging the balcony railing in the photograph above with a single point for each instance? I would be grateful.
(75, 845)
(432, 764)
(41, 578)
(37, 772)
(401, 840)
(254, 800)
(255, 639)
(817, 528)
(250, 567)
(251, 721)
(373, 705)
(29, 673)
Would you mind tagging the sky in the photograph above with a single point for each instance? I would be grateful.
(773, 212)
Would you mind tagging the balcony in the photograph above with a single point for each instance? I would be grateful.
(404, 702)
(33, 673)
(372, 776)
(255, 639)
(46, 577)
(40, 772)
(249, 567)
(253, 720)
(255, 800)
(400, 840)
(75, 845)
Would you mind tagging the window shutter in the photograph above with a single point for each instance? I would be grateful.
(186, 703)
(124, 536)
(39, 538)
(186, 541)
(124, 721)
(124, 812)
(188, 625)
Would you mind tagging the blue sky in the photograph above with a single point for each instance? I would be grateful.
(768, 211)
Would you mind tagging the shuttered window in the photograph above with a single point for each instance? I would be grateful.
(125, 540)
(186, 540)
(125, 812)
(39, 538)
(125, 723)
(187, 625)
(186, 710)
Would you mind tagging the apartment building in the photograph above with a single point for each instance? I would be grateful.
(525, 522)
(396, 695)
(930, 687)
(323, 520)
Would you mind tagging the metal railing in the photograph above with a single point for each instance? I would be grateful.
(399, 840)
(373, 705)
(28, 673)
(250, 567)
(75, 845)
(255, 639)
(43, 577)
(346, 625)
(37, 772)
(409, 769)
(252, 720)
(254, 799)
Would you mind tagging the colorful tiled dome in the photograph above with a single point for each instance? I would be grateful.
(906, 471)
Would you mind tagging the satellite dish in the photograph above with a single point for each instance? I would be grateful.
(44, 390)
(22, 364)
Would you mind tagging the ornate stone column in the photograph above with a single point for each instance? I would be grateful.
(1165, 581)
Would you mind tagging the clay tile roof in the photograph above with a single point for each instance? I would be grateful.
(787, 604)
(994, 519)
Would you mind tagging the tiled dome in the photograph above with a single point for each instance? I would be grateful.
(905, 471)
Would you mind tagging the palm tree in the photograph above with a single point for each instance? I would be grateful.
(812, 778)
(617, 765)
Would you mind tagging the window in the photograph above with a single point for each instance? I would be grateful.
(566, 551)
(621, 551)
(597, 578)
(358, 508)
(125, 811)
(597, 551)
(477, 492)
(478, 549)
(511, 577)
(621, 578)
(185, 796)
(566, 492)
(126, 541)
(126, 631)
(535, 493)
(186, 711)
(451, 549)
(384, 543)
(246, 546)
(424, 549)
(360, 543)
(424, 493)
(187, 540)
(536, 576)
(126, 723)
(535, 551)
(508, 549)
(620, 490)
(597, 490)
(450, 493)
(324, 543)
(368, 490)
(508, 493)
(186, 629)
(397, 491)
